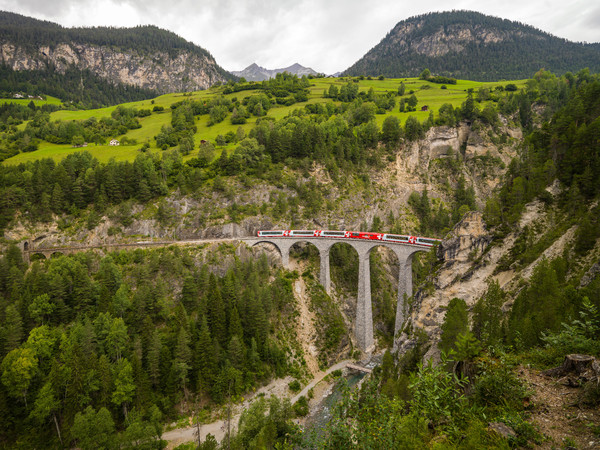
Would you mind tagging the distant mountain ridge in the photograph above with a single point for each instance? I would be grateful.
(255, 72)
(145, 56)
(471, 45)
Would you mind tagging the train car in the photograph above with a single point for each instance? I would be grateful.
(270, 233)
(428, 241)
(398, 238)
(333, 234)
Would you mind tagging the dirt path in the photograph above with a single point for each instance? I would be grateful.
(558, 416)
(218, 428)
(278, 387)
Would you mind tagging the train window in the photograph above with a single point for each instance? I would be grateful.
(427, 241)
(333, 233)
(303, 232)
(355, 234)
(271, 233)
(396, 237)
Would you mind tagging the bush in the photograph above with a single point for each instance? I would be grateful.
(294, 386)
(497, 385)
(579, 336)
(436, 393)
(301, 407)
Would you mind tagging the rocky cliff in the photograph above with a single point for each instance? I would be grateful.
(469, 258)
(160, 71)
(145, 56)
(433, 163)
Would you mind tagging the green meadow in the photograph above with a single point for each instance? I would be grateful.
(37, 102)
(427, 93)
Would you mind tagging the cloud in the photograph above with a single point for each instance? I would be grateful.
(327, 36)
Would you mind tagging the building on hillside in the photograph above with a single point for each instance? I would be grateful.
(114, 142)
(424, 108)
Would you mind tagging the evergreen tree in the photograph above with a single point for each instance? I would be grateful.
(455, 323)
(207, 361)
(487, 316)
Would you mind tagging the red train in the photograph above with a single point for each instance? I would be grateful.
(414, 240)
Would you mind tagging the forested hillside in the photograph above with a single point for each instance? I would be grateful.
(473, 46)
(106, 348)
(82, 88)
(477, 394)
(99, 66)
(33, 33)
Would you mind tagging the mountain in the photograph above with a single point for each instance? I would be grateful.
(146, 57)
(255, 72)
(470, 45)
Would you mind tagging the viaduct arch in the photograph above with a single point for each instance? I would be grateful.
(364, 309)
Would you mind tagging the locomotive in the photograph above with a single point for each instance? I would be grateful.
(402, 239)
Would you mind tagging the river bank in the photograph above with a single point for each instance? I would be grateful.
(278, 387)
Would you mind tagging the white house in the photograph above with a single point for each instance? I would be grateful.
(113, 142)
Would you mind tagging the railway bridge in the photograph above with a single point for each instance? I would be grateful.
(364, 311)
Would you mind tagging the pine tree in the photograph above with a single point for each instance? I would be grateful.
(182, 359)
(206, 357)
(216, 312)
(235, 324)
(235, 353)
(12, 328)
(487, 316)
(153, 358)
(455, 323)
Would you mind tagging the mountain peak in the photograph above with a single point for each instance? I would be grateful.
(471, 45)
(254, 72)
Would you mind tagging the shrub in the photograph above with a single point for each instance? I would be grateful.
(436, 393)
(301, 407)
(497, 385)
(294, 386)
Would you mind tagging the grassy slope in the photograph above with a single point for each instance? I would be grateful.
(433, 97)
(25, 101)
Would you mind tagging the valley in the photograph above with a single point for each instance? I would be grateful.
(135, 308)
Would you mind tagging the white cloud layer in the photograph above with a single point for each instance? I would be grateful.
(328, 36)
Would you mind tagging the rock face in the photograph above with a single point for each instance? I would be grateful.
(466, 241)
(467, 44)
(185, 71)
(457, 277)
(453, 38)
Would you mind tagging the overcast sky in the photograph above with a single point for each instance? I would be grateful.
(326, 35)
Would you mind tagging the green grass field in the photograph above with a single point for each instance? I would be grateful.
(434, 97)
(25, 101)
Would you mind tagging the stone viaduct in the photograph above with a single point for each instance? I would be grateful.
(364, 311)
(364, 314)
